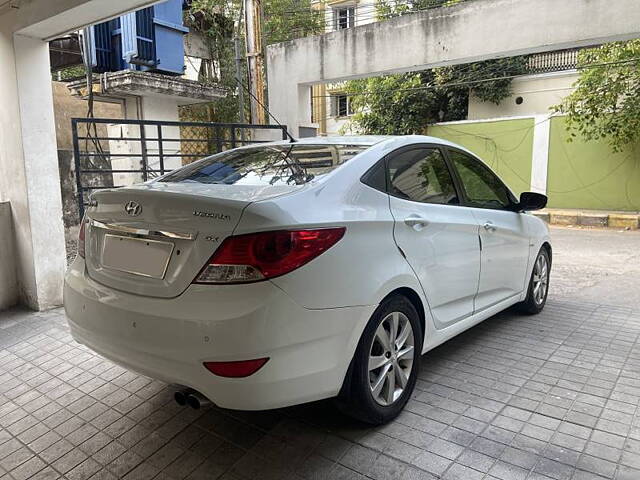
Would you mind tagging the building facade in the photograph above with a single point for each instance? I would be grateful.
(331, 106)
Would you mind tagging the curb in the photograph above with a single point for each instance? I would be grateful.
(625, 221)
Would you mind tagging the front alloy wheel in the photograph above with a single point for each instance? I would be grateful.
(538, 284)
(540, 279)
(385, 366)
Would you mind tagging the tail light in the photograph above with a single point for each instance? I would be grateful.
(81, 238)
(239, 369)
(259, 256)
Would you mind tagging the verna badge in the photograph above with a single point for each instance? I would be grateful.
(133, 208)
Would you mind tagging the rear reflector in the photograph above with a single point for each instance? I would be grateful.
(259, 256)
(240, 369)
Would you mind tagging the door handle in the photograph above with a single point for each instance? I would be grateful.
(489, 226)
(416, 222)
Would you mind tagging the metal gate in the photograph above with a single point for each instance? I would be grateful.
(112, 153)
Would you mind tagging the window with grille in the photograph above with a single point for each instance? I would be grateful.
(344, 17)
(341, 105)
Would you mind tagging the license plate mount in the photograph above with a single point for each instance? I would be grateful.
(137, 256)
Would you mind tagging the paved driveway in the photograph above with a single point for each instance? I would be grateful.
(551, 396)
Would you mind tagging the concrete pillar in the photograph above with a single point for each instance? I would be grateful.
(30, 180)
(149, 107)
(164, 109)
(540, 157)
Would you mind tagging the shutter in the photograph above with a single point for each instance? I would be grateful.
(129, 36)
(333, 107)
(145, 37)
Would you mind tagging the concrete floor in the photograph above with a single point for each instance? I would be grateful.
(598, 265)
(552, 396)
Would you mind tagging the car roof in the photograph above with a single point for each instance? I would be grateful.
(366, 140)
(370, 140)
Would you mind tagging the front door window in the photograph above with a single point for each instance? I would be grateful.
(482, 188)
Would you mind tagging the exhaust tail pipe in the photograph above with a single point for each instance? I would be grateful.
(181, 396)
(196, 400)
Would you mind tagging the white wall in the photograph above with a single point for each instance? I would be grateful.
(29, 177)
(8, 286)
(538, 93)
(29, 166)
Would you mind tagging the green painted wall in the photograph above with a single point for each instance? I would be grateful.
(588, 175)
(505, 145)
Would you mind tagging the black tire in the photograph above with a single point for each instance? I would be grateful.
(532, 305)
(356, 398)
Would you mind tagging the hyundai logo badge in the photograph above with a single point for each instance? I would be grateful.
(133, 208)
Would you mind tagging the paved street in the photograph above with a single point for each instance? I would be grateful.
(553, 396)
(601, 266)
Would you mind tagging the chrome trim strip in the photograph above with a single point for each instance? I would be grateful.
(142, 231)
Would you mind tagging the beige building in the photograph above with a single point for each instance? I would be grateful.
(331, 107)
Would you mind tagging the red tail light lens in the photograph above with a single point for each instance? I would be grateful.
(240, 369)
(81, 238)
(259, 256)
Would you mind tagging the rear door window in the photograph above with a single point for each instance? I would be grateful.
(288, 164)
(421, 175)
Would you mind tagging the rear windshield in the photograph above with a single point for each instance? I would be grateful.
(291, 164)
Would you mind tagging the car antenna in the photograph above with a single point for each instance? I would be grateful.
(286, 130)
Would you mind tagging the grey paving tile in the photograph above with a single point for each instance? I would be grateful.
(520, 458)
(506, 471)
(476, 460)
(501, 399)
(28, 469)
(84, 470)
(461, 472)
(432, 463)
(124, 464)
(553, 469)
(69, 460)
(597, 466)
(46, 473)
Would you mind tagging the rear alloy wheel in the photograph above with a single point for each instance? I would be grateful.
(391, 358)
(538, 284)
(385, 366)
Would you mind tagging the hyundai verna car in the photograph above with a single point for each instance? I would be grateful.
(283, 273)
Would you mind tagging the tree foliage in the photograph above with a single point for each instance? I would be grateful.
(219, 20)
(606, 101)
(407, 103)
(288, 19)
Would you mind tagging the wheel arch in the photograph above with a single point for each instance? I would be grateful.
(413, 297)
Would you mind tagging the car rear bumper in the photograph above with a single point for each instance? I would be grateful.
(169, 339)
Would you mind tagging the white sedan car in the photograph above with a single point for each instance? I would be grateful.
(283, 273)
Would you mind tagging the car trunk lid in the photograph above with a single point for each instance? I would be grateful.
(154, 239)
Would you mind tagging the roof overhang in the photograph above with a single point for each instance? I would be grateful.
(131, 82)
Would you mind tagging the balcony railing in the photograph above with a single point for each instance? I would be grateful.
(558, 61)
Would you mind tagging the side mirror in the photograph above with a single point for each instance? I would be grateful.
(532, 201)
